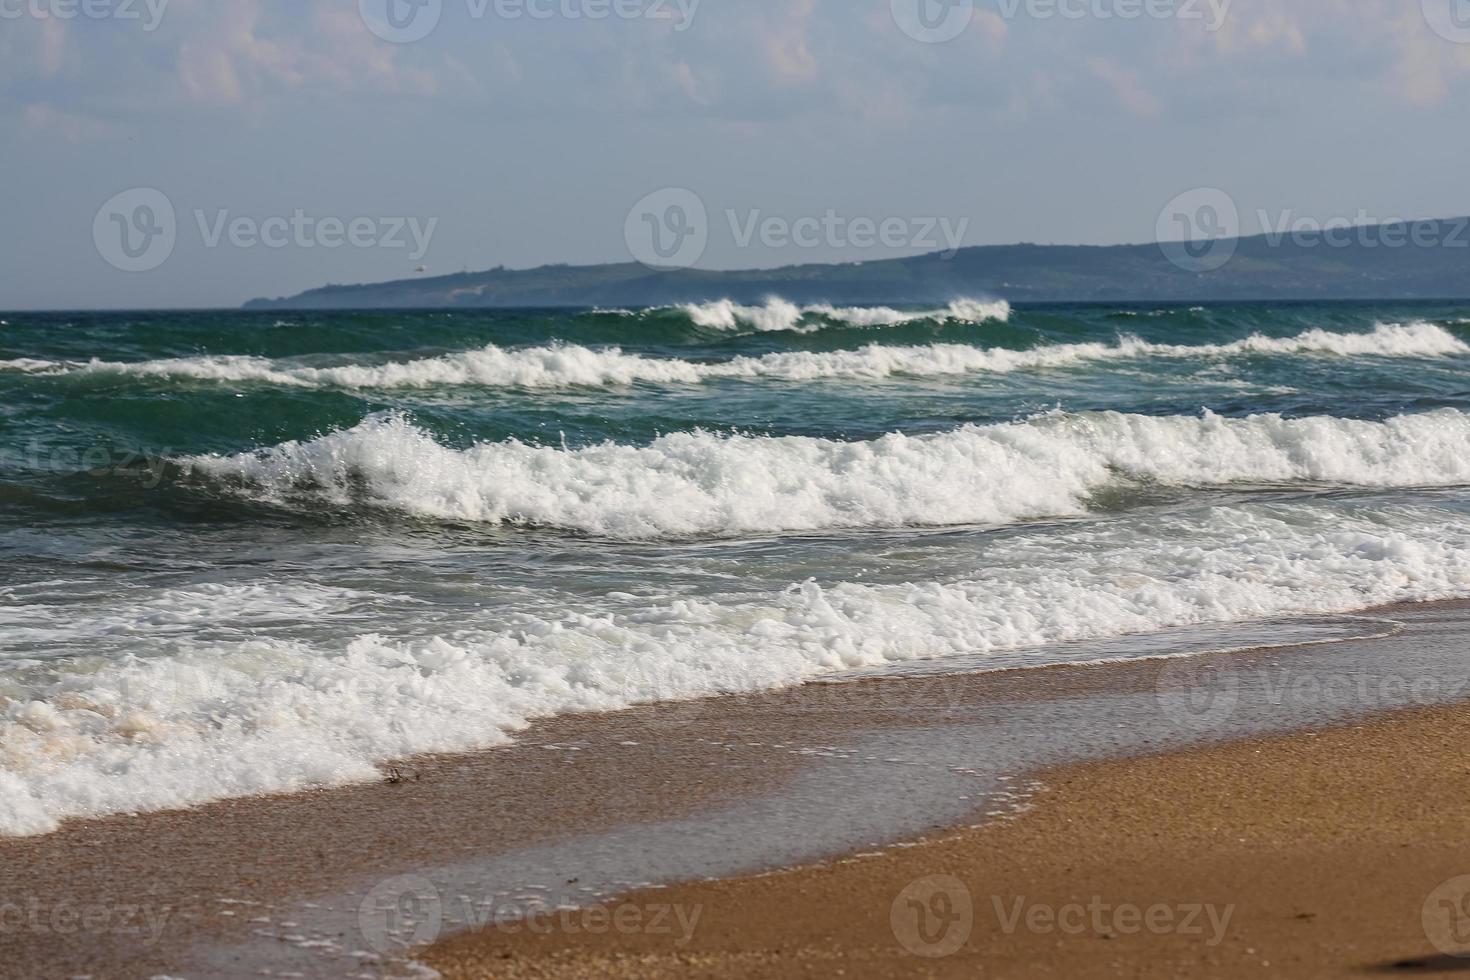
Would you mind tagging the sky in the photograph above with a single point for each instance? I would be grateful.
(180, 153)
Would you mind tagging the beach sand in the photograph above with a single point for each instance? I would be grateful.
(1324, 847)
(1310, 855)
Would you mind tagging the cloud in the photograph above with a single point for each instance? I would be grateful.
(73, 127)
(32, 47)
(787, 51)
(1127, 88)
(1389, 43)
(244, 50)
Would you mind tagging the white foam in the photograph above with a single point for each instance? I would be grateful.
(210, 720)
(570, 365)
(702, 483)
(779, 315)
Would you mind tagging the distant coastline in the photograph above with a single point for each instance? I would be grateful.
(1421, 260)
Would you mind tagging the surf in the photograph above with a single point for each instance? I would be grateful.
(710, 484)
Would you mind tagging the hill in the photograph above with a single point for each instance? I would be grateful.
(1428, 259)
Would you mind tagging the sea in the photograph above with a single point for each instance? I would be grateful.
(259, 552)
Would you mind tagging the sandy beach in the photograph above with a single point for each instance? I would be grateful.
(1326, 854)
(1048, 815)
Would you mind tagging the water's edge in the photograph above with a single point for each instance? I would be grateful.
(882, 762)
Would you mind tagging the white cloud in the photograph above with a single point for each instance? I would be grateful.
(1127, 88)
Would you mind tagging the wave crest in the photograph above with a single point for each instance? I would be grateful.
(701, 483)
(779, 315)
(571, 365)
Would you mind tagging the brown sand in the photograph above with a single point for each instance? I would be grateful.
(1322, 849)
(1319, 834)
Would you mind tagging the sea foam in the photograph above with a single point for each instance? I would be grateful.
(571, 365)
(779, 315)
(701, 483)
(231, 718)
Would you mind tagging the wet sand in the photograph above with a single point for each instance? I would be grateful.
(350, 882)
(1311, 855)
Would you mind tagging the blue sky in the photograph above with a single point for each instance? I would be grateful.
(296, 146)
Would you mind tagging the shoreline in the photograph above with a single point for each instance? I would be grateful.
(585, 808)
(1317, 854)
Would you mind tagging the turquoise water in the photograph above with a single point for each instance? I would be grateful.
(247, 552)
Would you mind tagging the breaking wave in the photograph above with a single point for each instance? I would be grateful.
(263, 715)
(571, 365)
(701, 483)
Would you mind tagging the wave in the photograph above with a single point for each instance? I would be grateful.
(571, 365)
(779, 315)
(268, 714)
(700, 483)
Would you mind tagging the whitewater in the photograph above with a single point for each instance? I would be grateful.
(572, 365)
(248, 553)
(705, 483)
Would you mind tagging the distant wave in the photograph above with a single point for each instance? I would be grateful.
(571, 365)
(779, 315)
(706, 484)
